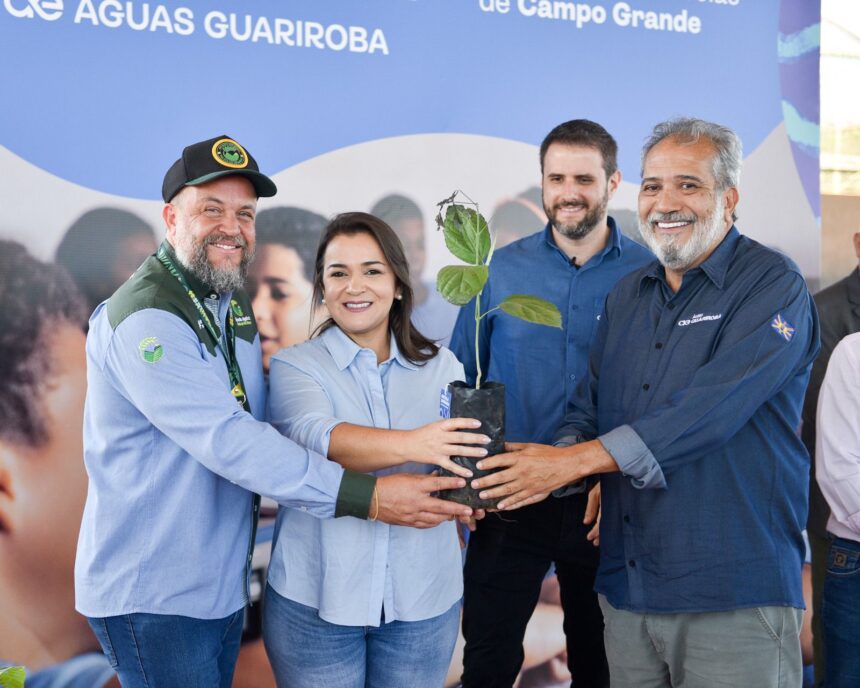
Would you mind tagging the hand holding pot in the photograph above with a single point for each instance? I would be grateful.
(435, 443)
(404, 499)
(532, 471)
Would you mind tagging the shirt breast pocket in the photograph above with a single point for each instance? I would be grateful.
(523, 340)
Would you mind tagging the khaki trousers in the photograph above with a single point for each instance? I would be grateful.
(743, 648)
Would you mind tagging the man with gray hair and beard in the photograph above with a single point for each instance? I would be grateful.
(175, 449)
(689, 414)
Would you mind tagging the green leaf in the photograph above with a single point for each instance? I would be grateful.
(532, 309)
(13, 677)
(459, 284)
(467, 235)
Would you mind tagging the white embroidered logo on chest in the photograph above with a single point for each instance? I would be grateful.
(699, 317)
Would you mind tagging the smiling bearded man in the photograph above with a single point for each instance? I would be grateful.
(689, 413)
(669, 249)
(573, 262)
(193, 253)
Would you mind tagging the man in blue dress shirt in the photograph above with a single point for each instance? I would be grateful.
(573, 262)
(175, 445)
(694, 393)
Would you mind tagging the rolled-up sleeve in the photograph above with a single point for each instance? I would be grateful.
(633, 457)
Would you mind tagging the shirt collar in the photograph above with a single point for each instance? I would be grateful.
(614, 242)
(614, 237)
(198, 287)
(715, 266)
(344, 350)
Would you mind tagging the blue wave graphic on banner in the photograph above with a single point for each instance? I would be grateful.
(797, 45)
(798, 49)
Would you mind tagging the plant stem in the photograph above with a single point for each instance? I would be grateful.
(477, 326)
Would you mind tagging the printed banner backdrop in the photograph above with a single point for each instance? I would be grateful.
(344, 103)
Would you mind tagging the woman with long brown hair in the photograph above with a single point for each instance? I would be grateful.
(353, 603)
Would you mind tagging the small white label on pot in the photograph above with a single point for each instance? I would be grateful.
(445, 403)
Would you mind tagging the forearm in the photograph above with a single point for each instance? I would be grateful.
(365, 449)
(585, 459)
(530, 472)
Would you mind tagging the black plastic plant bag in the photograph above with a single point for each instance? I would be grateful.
(487, 405)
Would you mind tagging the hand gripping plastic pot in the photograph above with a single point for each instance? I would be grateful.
(487, 405)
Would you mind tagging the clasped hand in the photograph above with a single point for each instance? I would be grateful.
(530, 472)
(406, 499)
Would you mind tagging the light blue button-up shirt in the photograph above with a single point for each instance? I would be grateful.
(171, 459)
(349, 569)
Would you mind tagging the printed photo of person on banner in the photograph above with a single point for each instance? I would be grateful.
(42, 479)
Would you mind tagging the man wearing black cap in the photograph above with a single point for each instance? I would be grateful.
(173, 448)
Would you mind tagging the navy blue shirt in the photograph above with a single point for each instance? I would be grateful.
(697, 396)
(540, 365)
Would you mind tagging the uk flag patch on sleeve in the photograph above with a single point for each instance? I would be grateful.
(782, 327)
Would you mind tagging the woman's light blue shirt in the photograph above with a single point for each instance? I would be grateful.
(349, 569)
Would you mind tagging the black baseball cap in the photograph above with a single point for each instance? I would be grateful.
(202, 162)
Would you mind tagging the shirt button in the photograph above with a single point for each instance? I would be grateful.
(631, 564)
(626, 518)
(646, 386)
(671, 306)
(658, 345)
(572, 377)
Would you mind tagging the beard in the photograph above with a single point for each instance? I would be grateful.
(671, 251)
(578, 230)
(192, 255)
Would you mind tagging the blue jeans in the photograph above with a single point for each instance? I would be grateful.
(840, 610)
(307, 652)
(155, 650)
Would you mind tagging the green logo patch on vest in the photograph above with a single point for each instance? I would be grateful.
(151, 350)
(230, 154)
(239, 316)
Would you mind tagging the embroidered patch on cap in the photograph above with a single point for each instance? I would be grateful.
(230, 154)
(151, 350)
(782, 327)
